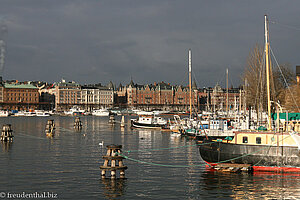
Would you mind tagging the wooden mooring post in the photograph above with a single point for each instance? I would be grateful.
(50, 128)
(6, 135)
(113, 162)
(111, 118)
(77, 123)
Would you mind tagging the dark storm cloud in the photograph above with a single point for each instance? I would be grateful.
(98, 41)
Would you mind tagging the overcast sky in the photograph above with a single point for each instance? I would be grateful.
(92, 41)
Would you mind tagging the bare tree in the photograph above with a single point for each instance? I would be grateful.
(283, 77)
(255, 76)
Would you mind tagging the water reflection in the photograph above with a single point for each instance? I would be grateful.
(251, 186)
(113, 188)
(6, 146)
(69, 164)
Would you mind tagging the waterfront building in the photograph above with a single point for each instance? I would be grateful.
(47, 96)
(17, 96)
(217, 98)
(97, 96)
(120, 96)
(159, 96)
(67, 95)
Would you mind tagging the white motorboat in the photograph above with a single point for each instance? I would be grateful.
(148, 121)
(29, 114)
(42, 113)
(4, 113)
(74, 111)
(100, 112)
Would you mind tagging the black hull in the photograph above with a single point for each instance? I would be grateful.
(203, 137)
(255, 155)
(140, 125)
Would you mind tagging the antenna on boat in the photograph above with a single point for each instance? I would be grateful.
(267, 50)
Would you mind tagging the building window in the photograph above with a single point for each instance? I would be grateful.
(245, 139)
(258, 140)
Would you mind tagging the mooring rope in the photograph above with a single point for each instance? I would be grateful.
(166, 148)
(157, 164)
(163, 165)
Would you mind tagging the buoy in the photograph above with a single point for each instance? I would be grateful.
(6, 135)
(113, 162)
(123, 121)
(50, 128)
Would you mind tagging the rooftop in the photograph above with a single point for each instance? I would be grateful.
(20, 86)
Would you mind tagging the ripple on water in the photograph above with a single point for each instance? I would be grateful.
(69, 164)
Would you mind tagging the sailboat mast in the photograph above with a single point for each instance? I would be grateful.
(227, 91)
(190, 80)
(267, 44)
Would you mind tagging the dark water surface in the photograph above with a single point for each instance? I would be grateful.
(68, 165)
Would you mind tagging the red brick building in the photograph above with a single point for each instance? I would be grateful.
(19, 96)
(159, 94)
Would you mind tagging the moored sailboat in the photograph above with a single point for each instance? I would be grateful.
(262, 150)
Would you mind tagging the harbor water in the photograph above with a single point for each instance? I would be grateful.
(161, 165)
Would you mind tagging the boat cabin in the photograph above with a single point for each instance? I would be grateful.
(218, 125)
(266, 138)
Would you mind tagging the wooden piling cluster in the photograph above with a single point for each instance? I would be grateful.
(50, 128)
(234, 168)
(113, 162)
(77, 123)
(111, 118)
(6, 135)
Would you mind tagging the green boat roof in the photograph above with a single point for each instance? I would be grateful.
(20, 86)
(291, 116)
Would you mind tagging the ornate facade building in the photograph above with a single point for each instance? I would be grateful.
(97, 96)
(159, 95)
(217, 98)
